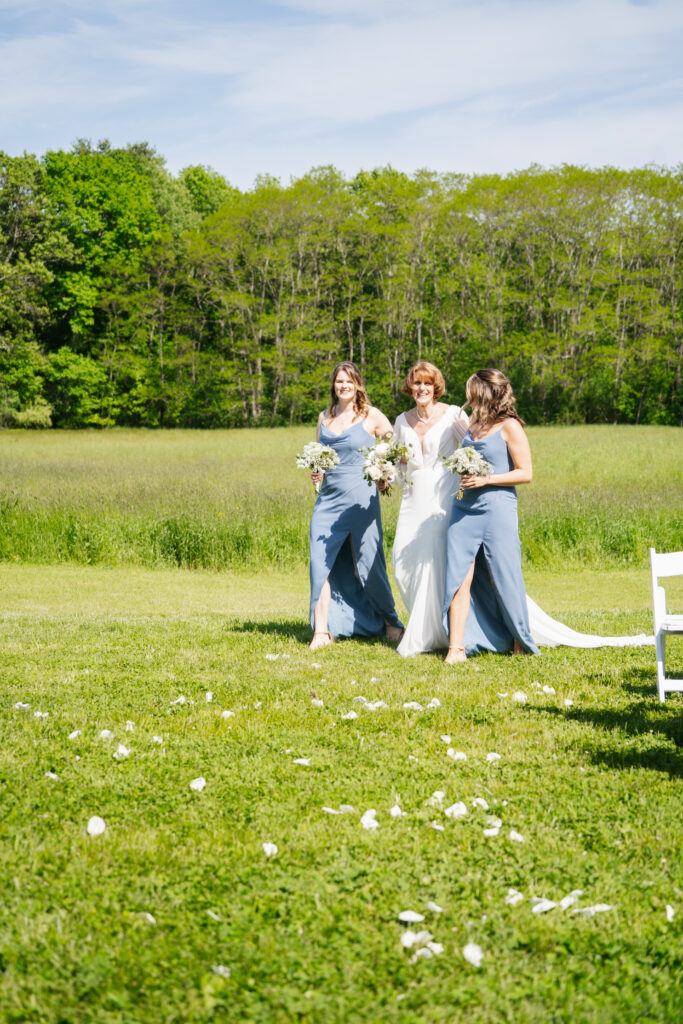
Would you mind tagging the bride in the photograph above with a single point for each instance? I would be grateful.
(431, 431)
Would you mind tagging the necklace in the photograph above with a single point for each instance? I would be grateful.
(424, 419)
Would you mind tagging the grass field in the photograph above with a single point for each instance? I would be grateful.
(176, 914)
(227, 499)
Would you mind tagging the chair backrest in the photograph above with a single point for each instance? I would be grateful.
(666, 563)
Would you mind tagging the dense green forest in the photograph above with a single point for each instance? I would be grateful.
(132, 296)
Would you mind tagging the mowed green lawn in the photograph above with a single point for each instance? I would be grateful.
(176, 914)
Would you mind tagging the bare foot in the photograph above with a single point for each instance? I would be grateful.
(320, 640)
(455, 656)
(393, 633)
(517, 648)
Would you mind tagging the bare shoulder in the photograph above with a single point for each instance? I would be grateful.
(513, 430)
(376, 422)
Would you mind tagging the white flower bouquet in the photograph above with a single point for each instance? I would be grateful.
(467, 462)
(382, 462)
(317, 458)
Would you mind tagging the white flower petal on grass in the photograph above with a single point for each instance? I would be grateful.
(567, 901)
(350, 716)
(396, 812)
(74, 735)
(51, 775)
(491, 833)
(436, 799)
(410, 917)
(360, 700)
(458, 810)
(437, 826)
(421, 954)
(157, 739)
(375, 705)
(317, 703)
(670, 913)
(213, 915)
(434, 703)
(150, 918)
(492, 821)
(513, 897)
(106, 734)
(121, 752)
(501, 695)
(411, 757)
(408, 939)
(258, 704)
(272, 657)
(493, 756)
(479, 801)
(302, 760)
(95, 826)
(270, 849)
(316, 664)
(368, 820)
(542, 906)
(446, 738)
(434, 907)
(209, 696)
(21, 706)
(198, 784)
(516, 837)
(346, 809)
(221, 970)
(179, 700)
(519, 697)
(130, 726)
(331, 810)
(473, 954)
(456, 755)
(41, 714)
(597, 908)
(412, 705)
(548, 689)
(434, 947)
(227, 714)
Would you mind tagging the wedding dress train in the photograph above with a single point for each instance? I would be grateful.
(419, 552)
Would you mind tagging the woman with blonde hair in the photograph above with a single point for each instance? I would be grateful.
(350, 592)
(431, 431)
(485, 605)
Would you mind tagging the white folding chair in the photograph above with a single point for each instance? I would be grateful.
(661, 566)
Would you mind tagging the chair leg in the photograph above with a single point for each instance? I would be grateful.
(660, 641)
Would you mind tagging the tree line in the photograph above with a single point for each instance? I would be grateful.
(130, 296)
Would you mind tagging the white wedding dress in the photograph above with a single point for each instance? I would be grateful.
(419, 552)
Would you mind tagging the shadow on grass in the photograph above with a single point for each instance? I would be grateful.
(293, 629)
(641, 716)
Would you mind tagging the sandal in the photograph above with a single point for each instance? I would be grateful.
(316, 644)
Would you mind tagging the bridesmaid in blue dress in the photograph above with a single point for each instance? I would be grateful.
(350, 592)
(485, 607)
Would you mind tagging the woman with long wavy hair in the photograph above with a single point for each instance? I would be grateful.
(350, 592)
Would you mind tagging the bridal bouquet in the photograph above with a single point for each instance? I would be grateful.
(467, 462)
(382, 460)
(317, 458)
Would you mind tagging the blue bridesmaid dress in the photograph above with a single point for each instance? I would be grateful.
(484, 529)
(346, 542)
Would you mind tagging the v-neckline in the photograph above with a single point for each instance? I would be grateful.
(421, 439)
(334, 432)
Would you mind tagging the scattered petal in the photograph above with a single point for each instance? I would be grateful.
(75, 734)
(51, 775)
(567, 901)
(670, 913)
(434, 907)
(568, 703)
(40, 714)
(458, 810)
(350, 716)
(130, 726)
(157, 739)
(272, 657)
(493, 757)
(548, 689)
(316, 664)
(519, 697)
(21, 706)
(501, 695)
(411, 757)
(331, 810)
(179, 700)
(106, 734)
(213, 915)
(396, 812)
(434, 947)
(513, 897)
(436, 799)
(437, 826)
(368, 819)
(95, 826)
(149, 917)
(373, 679)
(421, 954)
(473, 954)
(227, 714)
(446, 738)
(408, 939)
(258, 704)
(302, 760)
(270, 849)
(598, 908)
(493, 821)
(121, 752)
(516, 837)
(434, 703)
(209, 696)
(221, 970)
(410, 917)
(542, 906)
(346, 808)
(479, 801)
(492, 832)
(198, 784)
(375, 705)
(317, 703)
(412, 705)
(360, 700)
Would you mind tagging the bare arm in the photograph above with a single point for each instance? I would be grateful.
(520, 453)
(377, 423)
(460, 424)
(317, 477)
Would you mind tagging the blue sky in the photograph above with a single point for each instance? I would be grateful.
(279, 87)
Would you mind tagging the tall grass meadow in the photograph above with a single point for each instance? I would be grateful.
(601, 495)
